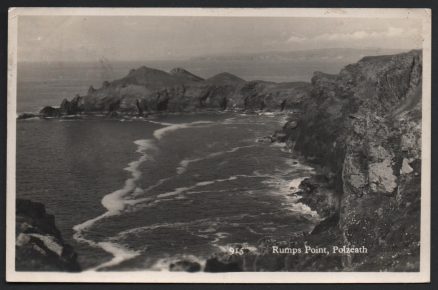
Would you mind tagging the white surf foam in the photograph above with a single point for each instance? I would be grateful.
(186, 162)
(160, 123)
(295, 184)
(158, 134)
(115, 203)
(198, 184)
(118, 252)
(304, 209)
(163, 264)
(292, 199)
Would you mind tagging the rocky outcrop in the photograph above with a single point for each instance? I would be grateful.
(147, 90)
(364, 125)
(185, 266)
(38, 243)
(73, 107)
(67, 108)
(50, 112)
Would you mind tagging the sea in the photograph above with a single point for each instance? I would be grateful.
(141, 193)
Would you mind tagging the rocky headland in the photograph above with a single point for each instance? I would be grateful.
(360, 128)
(146, 91)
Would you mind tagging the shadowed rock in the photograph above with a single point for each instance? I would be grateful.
(39, 245)
(185, 266)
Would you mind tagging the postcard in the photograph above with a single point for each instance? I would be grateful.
(244, 145)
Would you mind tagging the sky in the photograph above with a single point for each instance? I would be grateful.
(123, 38)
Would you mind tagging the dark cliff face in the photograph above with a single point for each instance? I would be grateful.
(146, 90)
(365, 126)
(39, 245)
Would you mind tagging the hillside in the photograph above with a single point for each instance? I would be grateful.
(146, 90)
(320, 55)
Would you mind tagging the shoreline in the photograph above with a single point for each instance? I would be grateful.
(361, 129)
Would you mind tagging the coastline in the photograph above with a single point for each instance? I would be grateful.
(386, 186)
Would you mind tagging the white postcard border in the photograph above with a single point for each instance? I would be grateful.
(242, 277)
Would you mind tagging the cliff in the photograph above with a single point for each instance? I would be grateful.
(39, 245)
(147, 90)
(362, 128)
(364, 125)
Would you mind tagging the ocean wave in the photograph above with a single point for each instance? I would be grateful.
(303, 209)
(131, 195)
(189, 189)
(186, 162)
(198, 184)
(288, 188)
(115, 203)
(294, 185)
(209, 223)
(159, 133)
(118, 252)
(159, 123)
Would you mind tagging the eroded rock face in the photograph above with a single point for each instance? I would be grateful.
(39, 245)
(185, 266)
(365, 125)
(50, 112)
(147, 90)
(73, 107)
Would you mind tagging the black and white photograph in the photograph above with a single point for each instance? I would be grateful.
(244, 145)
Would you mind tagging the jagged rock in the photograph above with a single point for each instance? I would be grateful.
(73, 107)
(185, 266)
(406, 168)
(279, 136)
(266, 139)
(24, 116)
(317, 193)
(91, 90)
(50, 112)
(325, 225)
(39, 244)
(223, 263)
(146, 90)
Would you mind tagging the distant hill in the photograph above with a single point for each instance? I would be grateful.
(323, 54)
(149, 77)
(146, 90)
(225, 78)
(184, 74)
